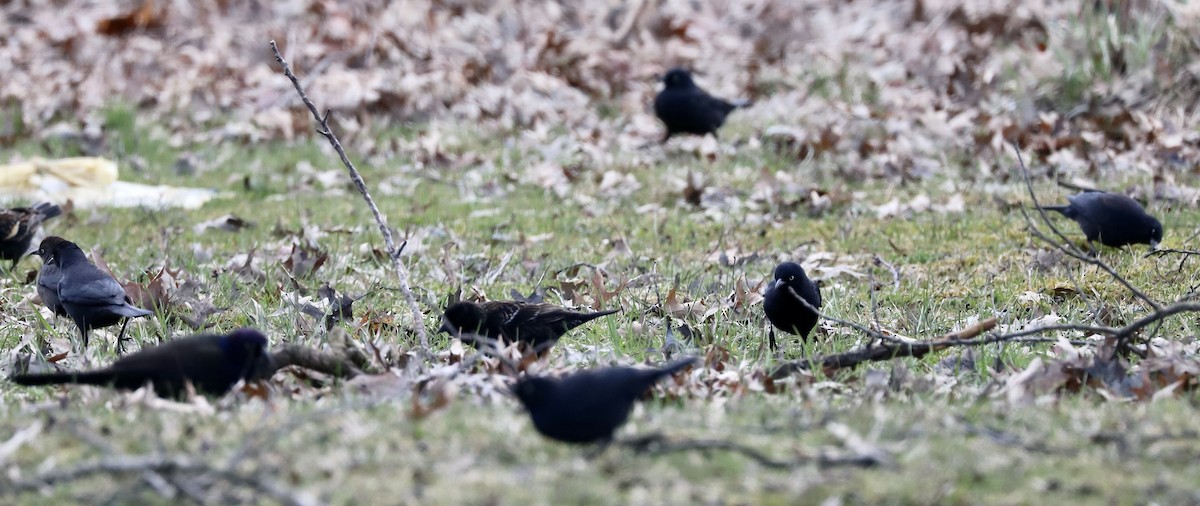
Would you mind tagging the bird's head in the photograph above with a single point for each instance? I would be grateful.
(247, 347)
(533, 390)
(678, 78)
(1156, 232)
(52, 248)
(788, 274)
(462, 317)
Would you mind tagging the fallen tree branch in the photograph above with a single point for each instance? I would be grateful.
(1165, 251)
(167, 486)
(658, 444)
(338, 364)
(875, 335)
(392, 249)
(159, 464)
(893, 349)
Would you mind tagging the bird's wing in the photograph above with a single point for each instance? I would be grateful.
(15, 223)
(184, 355)
(1118, 201)
(90, 289)
(719, 104)
(499, 313)
(10, 224)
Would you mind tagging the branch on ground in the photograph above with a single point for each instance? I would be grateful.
(392, 249)
(166, 465)
(890, 349)
(658, 444)
(336, 363)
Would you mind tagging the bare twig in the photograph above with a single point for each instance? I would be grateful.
(963, 337)
(159, 464)
(165, 485)
(1165, 251)
(873, 334)
(1011, 440)
(334, 363)
(1065, 245)
(895, 349)
(392, 249)
(892, 268)
(657, 444)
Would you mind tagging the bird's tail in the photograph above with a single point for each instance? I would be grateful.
(130, 311)
(47, 210)
(99, 378)
(1060, 209)
(678, 365)
(592, 316)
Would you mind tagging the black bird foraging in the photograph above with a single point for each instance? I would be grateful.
(537, 325)
(212, 363)
(588, 406)
(686, 109)
(784, 311)
(18, 226)
(1112, 219)
(90, 296)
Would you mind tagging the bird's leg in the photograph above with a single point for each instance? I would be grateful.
(121, 337)
(771, 339)
(84, 333)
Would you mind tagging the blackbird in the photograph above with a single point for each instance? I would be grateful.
(212, 363)
(782, 309)
(90, 296)
(588, 406)
(1112, 219)
(47, 285)
(537, 325)
(686, 109)
(18, 226)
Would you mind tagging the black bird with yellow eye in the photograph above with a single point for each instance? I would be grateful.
(781, 305)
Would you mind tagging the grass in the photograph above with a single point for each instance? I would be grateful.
(346, 444)
(477, 221)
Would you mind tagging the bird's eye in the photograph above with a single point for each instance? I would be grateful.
(791, 278)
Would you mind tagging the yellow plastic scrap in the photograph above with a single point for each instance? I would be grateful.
(84, 171)
(17, 175)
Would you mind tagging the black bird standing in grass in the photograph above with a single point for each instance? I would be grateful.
(90, 296)
(18, 226)
(1112, 219)
(686, 109)
(537, 325)
(588, 406)
(212, 363)
(780, 304)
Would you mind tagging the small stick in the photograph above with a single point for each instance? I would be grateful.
(393, 250)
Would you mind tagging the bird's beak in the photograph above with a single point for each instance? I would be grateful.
(775, 285)
(1153, 245)
(447, 328)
